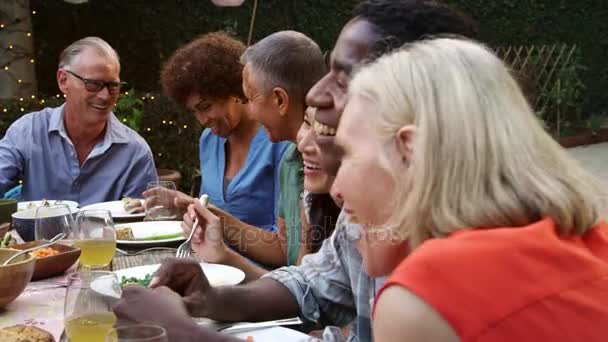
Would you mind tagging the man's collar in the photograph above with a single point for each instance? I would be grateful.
(116, 132)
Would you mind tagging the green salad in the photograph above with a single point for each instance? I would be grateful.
(145, 282)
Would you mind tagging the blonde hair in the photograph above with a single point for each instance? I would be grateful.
(480, 157)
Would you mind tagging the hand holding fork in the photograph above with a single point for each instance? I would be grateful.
(185, 249)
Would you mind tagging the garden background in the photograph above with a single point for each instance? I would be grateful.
(145, 32)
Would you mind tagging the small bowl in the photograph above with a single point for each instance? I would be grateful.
(15, 276)
(24, 221)
(52, 265)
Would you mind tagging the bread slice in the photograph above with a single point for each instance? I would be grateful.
(25, 333)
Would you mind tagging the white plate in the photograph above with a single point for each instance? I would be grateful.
(218, 275)
(116, 208)
(21, 206)
(142, 230)
(274, 334)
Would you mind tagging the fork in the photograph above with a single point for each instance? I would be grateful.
(123, 252)
(185, 249)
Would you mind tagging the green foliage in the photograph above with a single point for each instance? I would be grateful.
(129, 109)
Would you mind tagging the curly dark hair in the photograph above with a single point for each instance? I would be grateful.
(209, 65)
(405, 21)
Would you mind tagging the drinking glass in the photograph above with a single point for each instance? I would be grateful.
(88, 312)
(53, 220)
(96, 237)
(138, 333)
(159, 205)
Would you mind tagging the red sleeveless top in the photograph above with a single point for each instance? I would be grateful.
(514, 284)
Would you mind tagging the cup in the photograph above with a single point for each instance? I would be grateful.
(87, 313)
(96, 237)
(159, 205)
(53, 220)
(138, 333)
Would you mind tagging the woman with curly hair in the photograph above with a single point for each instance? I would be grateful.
(239, 164)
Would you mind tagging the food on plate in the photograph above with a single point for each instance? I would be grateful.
(145, 281)
(7, 241)
(24, 333)
(124, 233)
(133, 205)
(45, 252)
(33, 205)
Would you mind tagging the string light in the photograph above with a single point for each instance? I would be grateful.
(29, 34)
(23, 109)
(33, 96)
(164, 122)
(32, 61)
(21, 99)
(33, 12)
(126, 93)
(124, 120)
(10, 47)
(148, 129)
(5, 110)
(143, 97)
(19, 81)
(6, 67)
(42, 101)
(1, 25)
(185, 126)
(64, 95)
(152, 97)
(170, 122)
(57, 95)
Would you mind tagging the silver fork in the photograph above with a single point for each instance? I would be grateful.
(185, 249)
(123, 252)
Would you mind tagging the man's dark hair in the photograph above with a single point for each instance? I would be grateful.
(405, 21)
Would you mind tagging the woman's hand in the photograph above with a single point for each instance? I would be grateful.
(170, 199)
(208, 240)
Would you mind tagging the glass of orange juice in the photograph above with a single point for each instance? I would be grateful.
(88, 313)
(96, 238)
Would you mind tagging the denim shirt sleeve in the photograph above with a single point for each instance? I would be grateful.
(12, 149)
(321, 284)
(142, 172)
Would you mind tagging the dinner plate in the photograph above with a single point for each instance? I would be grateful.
(21, 206)
(217, 274)
(116, 208)
(274, 334)
(148, 229)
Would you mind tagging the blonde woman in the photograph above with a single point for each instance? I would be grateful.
(488, 229)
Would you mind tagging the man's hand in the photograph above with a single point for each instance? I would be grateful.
(186, 277)
(159, 306)
(208, 239)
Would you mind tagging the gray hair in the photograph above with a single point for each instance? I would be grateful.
(286, 59)
(70, 54)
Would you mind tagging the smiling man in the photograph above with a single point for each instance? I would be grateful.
(79, 151)
(329, 288)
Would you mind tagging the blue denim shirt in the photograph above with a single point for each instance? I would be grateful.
(253, 194)
(331, 286)
(37, 149)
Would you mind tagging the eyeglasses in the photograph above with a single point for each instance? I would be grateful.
(96, 86)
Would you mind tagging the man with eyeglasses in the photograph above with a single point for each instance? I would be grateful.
(79, 151)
